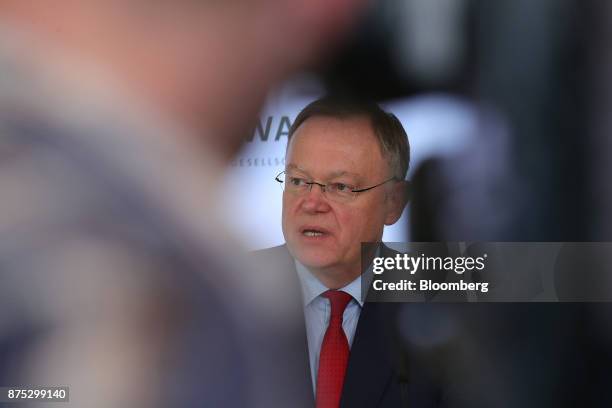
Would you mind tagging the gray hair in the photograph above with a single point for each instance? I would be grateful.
(389, 131)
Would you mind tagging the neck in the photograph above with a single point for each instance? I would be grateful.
(336, 278)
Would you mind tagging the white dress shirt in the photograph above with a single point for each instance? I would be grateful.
(317, 310)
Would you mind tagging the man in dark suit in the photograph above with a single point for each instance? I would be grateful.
(344, 181)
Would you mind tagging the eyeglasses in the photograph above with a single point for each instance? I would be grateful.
(339, 192)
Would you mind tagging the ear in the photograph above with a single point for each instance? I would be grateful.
(396, 201)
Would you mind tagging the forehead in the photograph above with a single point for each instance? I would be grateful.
(327, 145)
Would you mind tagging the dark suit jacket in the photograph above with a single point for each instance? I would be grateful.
(378, 373)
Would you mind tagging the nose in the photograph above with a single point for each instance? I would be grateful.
(315, 201)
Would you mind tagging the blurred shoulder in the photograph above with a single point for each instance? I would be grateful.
(275, 250)
(277, 254)
(387, 251)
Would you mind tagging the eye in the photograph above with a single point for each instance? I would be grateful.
(297, 182)
(341, 187)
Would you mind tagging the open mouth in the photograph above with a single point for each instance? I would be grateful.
(313, 232)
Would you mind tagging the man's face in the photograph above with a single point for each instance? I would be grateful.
(327, 150)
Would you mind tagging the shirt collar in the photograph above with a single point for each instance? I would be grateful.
(313, 288)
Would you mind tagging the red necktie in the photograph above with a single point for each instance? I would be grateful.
(334, 353)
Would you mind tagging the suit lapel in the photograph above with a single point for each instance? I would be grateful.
(281, 265)
(369, 369)
(299, 333)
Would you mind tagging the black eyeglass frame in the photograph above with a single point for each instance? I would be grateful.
(311, 183)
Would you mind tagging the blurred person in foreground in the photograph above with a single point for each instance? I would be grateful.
(346, 163)
(116, 121)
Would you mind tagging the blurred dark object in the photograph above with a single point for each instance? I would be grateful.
(407, 47)
(118, 275)
(540, 75)
(526, 65)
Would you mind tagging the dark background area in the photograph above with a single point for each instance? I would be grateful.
(542, 69)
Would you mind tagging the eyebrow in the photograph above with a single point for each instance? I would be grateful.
(344, 173)
(334, 174)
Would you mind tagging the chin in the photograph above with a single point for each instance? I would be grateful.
(314, 258)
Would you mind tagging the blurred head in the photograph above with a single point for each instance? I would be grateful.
(208, 64)
(349, 147)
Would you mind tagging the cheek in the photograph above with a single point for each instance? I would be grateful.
(289, 213)
(286, 211)
(361, 224)
(352, 222)
(290, 202)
